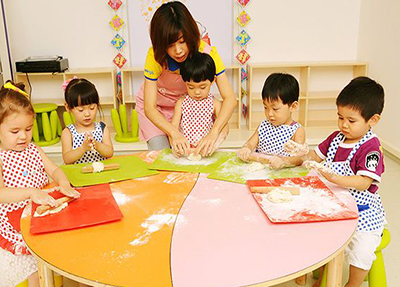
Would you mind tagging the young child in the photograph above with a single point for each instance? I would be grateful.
(280, 96)
(84, 141)
(195, 113)
(24, 168)
(353, 156)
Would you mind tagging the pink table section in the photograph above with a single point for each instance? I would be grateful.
(225, 239)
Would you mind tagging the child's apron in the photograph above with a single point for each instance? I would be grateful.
(371, 213)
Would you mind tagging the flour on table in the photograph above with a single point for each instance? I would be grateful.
(193, 157)
(52, 210)
(279, 195)
(255, 166)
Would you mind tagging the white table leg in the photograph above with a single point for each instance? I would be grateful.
(46, 278)
(334, 271)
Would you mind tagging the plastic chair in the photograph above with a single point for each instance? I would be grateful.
(68, 119)
(120, 122)
(46, 126)
(376, 275)
(58, 281)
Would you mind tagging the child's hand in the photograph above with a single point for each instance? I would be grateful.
(41, 197)
(179, 144)
(244, 153)
(276, 162)
(86, 144)
(296, 149)
(332, 177)
(68, 191)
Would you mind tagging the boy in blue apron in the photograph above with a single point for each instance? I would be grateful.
(354, 154)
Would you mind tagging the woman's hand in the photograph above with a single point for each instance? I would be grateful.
(244, 153)
(179, 144)
(41, 197)
(206, 146)
(68, 191)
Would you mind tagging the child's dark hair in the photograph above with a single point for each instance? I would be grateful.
(364, 95)
(169, 21)
(281, 86)
(81, 92)
(13, 101)
(198, 67)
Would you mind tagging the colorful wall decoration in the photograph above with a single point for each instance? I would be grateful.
(242, 39)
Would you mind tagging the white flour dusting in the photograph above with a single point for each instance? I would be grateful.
(121, 198)
(178, 177)
(152, 224)
(184, 161)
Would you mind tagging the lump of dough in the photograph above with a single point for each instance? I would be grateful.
(255, 166)
(317, 166)
(279, 195)
(193, 157)
(52, 210)
(97, 166)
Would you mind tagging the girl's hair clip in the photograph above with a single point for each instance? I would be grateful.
(66, 82)
(10, 86)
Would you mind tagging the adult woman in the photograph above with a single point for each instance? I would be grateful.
(174, 35)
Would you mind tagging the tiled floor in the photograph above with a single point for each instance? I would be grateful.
(390, 193)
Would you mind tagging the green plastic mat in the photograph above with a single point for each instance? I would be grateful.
(236, 170)
(167, 161)
(130, 167)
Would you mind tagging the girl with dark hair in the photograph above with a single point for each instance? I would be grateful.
(175, 36)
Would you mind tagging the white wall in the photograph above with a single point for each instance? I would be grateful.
(379, 44)
(306, 30)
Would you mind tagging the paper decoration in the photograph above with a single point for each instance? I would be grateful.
(115, 4)
(243, 74)
(242, 57)
(243, 3)
(119, 60)
(119, 78)
(243, 38)
(243, 92)
(118, 42)
(116, 22)
(243, 18)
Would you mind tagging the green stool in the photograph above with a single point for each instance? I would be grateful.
(58, 281)
(47, 126)
(120, 122)
(376, 275)
(68, 119)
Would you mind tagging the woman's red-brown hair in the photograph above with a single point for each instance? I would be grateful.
(14, 102)
(169, 22)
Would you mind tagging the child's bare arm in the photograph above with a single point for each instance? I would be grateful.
(300, 136)
(358, 182)
(105, 148)
(57, 174)
(71, 155)
(11, 194)
(248, 147)
(293, 160)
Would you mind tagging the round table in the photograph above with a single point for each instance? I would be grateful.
(184, 230)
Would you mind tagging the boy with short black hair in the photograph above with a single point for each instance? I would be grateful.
(355, 159)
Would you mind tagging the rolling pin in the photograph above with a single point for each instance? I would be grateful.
(294, 190)
(259, 158)
(43, 208)
(89, 168)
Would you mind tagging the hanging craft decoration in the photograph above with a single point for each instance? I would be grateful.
(116, 22)
(115, 4)
(119, 78)
(243, 18)
(243, 38)
(243, 56)
(243, 3)
(118, 42)
(119, 60)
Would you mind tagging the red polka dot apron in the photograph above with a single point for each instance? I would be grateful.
(371, 212)
(197, 118)
(20, 169)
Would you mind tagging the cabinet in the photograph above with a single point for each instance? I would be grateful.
(132, 78)
(46, 87)
(320, 84)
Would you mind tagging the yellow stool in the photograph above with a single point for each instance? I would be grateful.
(376, 275)
(47, 126)
(58, 281)
(120, 122)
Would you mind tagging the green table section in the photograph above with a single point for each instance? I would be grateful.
(235, 170)
(167, 161)
(130, 167)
